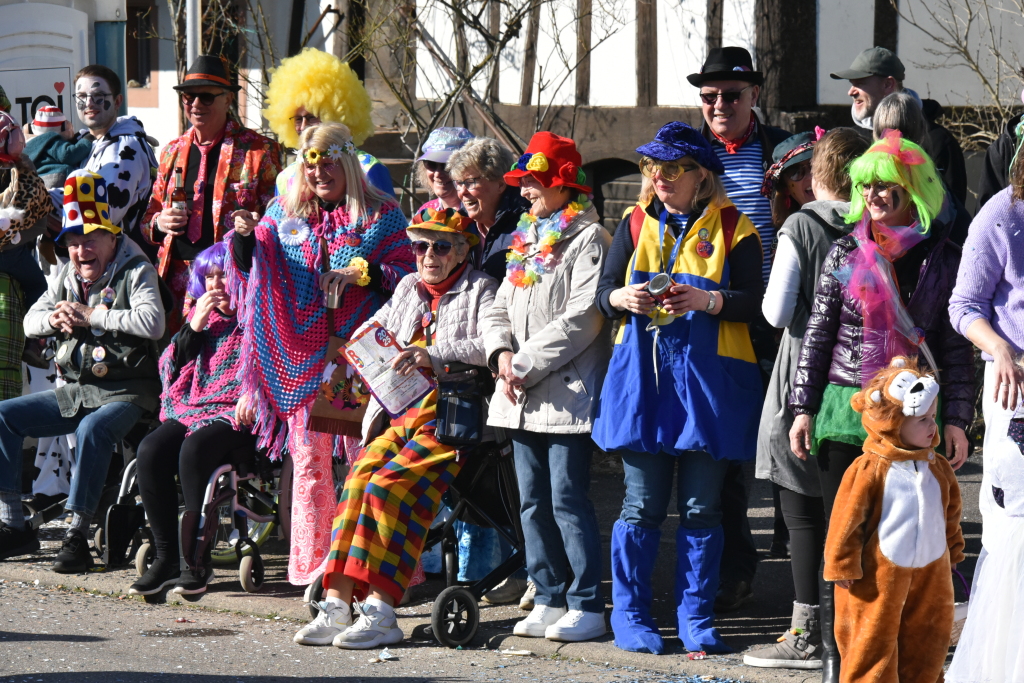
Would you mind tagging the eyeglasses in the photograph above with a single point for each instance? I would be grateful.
(307, 120)
(468, 183)
(441, 248)
(206, 98)
(730, 97)
(882, 190)
(325, 166)
(437, 167)
(798, 172)
(96, 98)
(669, 170)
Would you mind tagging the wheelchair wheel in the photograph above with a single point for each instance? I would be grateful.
(250, 573)
(314, 593)
(97, 541)
(455, 617)
(144, 558)
(223, 545)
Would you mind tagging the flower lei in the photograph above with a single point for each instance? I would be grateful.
(525, 270)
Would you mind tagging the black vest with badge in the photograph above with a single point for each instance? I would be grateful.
(111, 357)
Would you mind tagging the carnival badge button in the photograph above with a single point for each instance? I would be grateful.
(705, 249)
(98, 354)
(100, 369)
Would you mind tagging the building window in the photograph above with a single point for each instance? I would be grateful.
(141, 44)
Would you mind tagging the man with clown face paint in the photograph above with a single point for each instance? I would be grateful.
(120, 151)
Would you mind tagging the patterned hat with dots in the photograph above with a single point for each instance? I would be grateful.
(85, 205)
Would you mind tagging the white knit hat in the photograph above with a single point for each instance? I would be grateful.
(48, 118)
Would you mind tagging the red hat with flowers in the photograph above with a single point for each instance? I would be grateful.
(552, 160)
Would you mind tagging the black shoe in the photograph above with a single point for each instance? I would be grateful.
(161, 574)
(74, 556)
(14, 542)
(732, 595)
(830, 659)
(779, 548)
(194, 581)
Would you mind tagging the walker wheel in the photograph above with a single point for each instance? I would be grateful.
(455, 617)
(144, 557)
(250, 572)
(314, 594)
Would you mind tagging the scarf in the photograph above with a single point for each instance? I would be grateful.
(284, 311)
(195, 220)
(888, 330)
(444, 286)
(207, 388)
(733, 146)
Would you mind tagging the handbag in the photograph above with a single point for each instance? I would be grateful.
(461, 401)
(341, 401)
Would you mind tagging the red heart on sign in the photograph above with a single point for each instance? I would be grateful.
(59, 87)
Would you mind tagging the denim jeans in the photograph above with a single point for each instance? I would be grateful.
(559, 522)
(97, 430)
(648, 478)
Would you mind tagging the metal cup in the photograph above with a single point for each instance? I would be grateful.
(659, 287)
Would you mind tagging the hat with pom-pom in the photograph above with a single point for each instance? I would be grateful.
(85, 205)
(552, 160)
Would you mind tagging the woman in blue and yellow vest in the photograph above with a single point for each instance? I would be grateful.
(683, 383)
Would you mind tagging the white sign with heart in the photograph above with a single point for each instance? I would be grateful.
(29, 89)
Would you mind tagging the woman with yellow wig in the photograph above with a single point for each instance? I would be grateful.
(312, 87)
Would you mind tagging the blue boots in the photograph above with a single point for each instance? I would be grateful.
(698, 552)
(634, 550)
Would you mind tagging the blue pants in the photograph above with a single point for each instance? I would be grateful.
(97, 431)
(559, 522)
(649, 479)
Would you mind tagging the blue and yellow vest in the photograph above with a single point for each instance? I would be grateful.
(707, 393)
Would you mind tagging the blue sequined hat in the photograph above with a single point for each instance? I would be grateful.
(676, 140)
(443, 142)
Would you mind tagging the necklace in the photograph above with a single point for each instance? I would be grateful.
(525, 269)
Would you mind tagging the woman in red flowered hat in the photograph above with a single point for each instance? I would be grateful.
(550, 347)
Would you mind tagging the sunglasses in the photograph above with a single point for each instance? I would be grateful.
(798, 172)
(206, 98)
(730, 97)
(442, 248)
(882, 190)
(306, 121)
(433, 166)
(670, 170)
(325, 166)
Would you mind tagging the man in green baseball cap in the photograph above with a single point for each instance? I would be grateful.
(874, 74)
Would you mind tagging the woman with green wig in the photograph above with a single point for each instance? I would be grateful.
(312, 87)
(883, 292)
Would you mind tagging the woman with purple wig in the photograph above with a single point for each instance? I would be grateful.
(198, 431)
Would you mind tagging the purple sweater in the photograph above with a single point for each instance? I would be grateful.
(990, 283)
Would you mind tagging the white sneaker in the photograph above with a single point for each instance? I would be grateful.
(576, 626)
(332, 620)
(371, 629)
(509, 590)
(536, 624)
(526, 602)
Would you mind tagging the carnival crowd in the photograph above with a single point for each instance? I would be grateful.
(801, 301)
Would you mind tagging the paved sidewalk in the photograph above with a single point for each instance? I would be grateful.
(757, 623)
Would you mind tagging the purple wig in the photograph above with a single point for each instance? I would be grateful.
(210, 257)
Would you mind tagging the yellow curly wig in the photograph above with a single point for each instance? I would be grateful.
(323, 84)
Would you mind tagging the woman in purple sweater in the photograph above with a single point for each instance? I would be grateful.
(987, 307)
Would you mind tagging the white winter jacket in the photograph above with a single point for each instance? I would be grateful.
(557, 324)
(124, 158)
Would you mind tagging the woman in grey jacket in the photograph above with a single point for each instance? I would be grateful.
(804, 241)
(550, 346)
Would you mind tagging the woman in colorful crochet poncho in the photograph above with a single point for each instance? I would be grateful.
(198, 431)
(276, 273)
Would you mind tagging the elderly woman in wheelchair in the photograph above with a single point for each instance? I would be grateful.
(392, 493)
(199, 431)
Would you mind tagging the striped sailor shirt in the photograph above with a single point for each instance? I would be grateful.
(744, 173)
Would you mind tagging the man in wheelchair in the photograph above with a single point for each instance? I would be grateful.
(106, 312)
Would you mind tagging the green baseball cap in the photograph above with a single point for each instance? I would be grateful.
(876, 61)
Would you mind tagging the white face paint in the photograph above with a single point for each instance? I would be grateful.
(94, 102)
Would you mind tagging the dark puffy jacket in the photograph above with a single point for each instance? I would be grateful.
(944, 150)
(833, 344)
(995, 174)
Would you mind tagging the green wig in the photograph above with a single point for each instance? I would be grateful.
(894, 159)
(323, 84)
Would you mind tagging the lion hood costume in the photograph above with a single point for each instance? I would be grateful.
(895, 531)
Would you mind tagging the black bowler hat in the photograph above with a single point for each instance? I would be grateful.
(208, 70)
(727, 64)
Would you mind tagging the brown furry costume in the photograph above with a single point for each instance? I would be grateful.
(895, 530)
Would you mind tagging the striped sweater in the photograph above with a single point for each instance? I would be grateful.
(744, 173)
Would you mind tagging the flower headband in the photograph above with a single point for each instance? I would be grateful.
(314, 156)
(775, 170)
